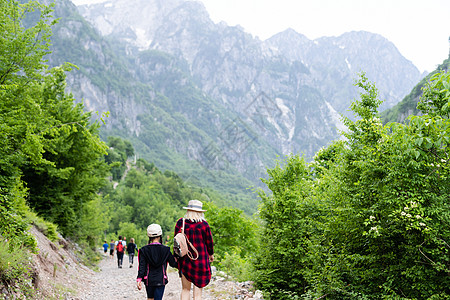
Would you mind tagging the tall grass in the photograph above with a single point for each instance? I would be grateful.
(15, 268)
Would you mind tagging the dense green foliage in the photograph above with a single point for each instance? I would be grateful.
(235, 240)
(369, 217)
(20, 66)
(50, 152)
(70, 172)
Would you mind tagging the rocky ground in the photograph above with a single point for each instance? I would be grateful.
(114, 283)
(58, 274)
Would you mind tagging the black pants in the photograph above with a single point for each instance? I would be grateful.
(155, 292)
(130, 257)
(119, 258)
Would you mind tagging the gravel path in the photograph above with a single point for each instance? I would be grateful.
(114, 283)
(61, 276)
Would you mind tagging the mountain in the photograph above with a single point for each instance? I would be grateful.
(184, 29)
(336, 60)
(210, 101)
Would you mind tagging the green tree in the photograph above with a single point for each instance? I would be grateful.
(71, 170)
(51, 151)
(21, 65)
(371, 213)
(231, 229)
(290, 215)
(23, 49)
(436, 94)
(389, 183)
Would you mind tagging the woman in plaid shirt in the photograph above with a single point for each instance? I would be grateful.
(199, 234)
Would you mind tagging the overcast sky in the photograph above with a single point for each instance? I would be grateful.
(420, 29)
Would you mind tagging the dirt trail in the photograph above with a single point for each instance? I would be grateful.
(59, 274)
(114, 283)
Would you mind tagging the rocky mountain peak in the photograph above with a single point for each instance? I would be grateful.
(137, 22)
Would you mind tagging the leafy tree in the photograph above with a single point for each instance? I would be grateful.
(23, 49)
(129, 230)
(121, 145)
(232, 230)
(21, 63)
(290, 216)
(436, 95)
(51, 152)
(390, 185)
(71, 170)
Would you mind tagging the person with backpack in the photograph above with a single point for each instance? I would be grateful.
(153, 259)
(120, 249)
(131, 249)
(124, 242)
(194, 266)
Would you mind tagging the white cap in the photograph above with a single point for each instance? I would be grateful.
(154, 230)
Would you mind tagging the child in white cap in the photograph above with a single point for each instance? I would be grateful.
(153, 259)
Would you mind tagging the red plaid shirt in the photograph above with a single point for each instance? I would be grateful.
(199, 234)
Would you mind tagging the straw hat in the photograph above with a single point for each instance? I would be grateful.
(195, 205)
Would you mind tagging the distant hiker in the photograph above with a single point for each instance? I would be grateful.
(124, 241)
(153, 259)
(167, 240)
(131, 248)
(105, 247)
(199, 234)
(112, 245)
(120, 249)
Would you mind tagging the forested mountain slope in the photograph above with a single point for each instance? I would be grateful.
(408, 106)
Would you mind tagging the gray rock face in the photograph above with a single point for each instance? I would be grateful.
(335, 62)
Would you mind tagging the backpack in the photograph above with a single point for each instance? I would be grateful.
(181, 245)
(119, 246)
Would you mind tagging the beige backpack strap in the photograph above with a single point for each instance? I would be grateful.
(189, 244)
(193, 248)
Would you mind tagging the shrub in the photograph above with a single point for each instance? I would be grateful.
(49, 229)
(237, 267)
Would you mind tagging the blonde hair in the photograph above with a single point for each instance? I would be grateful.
(132, 240)
(195, 216)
